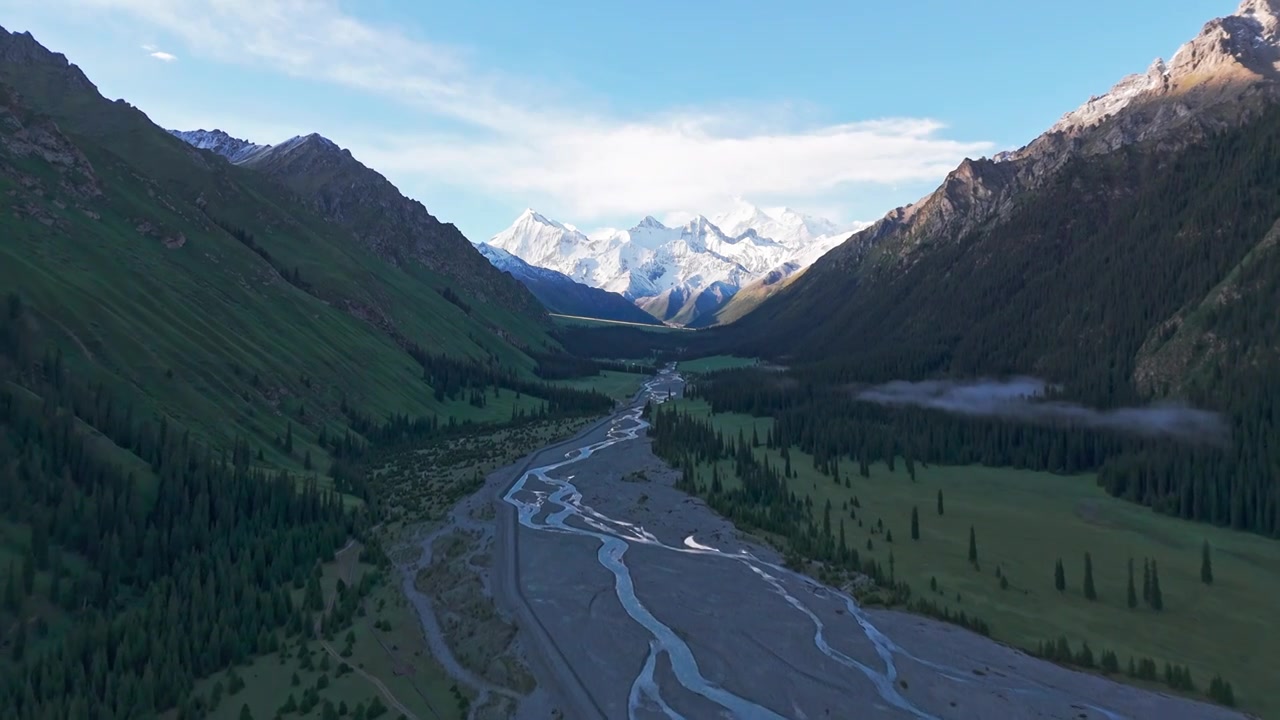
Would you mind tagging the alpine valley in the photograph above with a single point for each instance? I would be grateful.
(278, 442)
(702, 273)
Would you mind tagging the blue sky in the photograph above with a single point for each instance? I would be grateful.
(600, 113)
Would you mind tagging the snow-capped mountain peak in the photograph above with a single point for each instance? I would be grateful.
(650, 222)
(672, 267)
(784, 226)
(533, 216)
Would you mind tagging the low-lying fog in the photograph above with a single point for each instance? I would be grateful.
(1022, 398)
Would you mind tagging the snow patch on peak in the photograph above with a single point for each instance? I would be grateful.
(533, 216)
(303, 140)
(650, 221)
(232, 148)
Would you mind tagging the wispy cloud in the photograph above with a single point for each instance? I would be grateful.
(531, 144)
(159, 54)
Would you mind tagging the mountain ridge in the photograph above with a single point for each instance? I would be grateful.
(681, 274)
(397, 228)
(252, 304)
(561, 294)
(1214, 81)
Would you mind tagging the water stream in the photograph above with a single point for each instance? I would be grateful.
(564, 501)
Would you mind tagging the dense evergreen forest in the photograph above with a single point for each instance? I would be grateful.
(140, 577)
(1204, 482)
(151, 559)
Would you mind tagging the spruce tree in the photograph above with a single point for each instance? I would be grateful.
(939, 501)
(28, 574)
(12, 590)
(1090, 593)
(1059, 576)
(19, 648)
(1132, 591)
(915, 523)
(1157, 597)
(973, 546)
(1206, 565)
(1146, 581)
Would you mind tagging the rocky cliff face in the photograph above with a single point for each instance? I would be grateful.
(1222, 78)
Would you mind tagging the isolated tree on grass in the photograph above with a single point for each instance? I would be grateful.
(973, 546)
(939, 501)
(1206, 565)
(1146, 581)
(1157, 597)
(1059, 576)
(915, 523)
(1133, 592)
(1090, 593)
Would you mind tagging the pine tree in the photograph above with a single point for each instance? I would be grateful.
(245, 713)
(1059, 576)
(1157, 597)
(1132, 591)
(973, 545)
(288, 439)
(1090, 593)
(939, 501)
(1206, 565)
(19, 641)
(915, 523)
(13, 590)
(28, 574)
(1146, 581)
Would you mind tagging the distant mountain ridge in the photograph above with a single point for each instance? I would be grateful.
(395, 227)
(561, 294)
(683, 274)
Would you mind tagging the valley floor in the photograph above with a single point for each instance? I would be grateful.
(636, 600)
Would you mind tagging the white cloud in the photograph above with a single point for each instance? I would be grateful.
(528, 145)
(159, 54)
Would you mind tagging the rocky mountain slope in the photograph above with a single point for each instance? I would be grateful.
(397, 228)
(215, 296)
(683, 274)
(561, 294)
(1223, 77)
(1127, 255)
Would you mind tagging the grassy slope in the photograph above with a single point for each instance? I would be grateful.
(714, 363)
(129, 309)
(1024, 521)
(617, 385)
(747, 299)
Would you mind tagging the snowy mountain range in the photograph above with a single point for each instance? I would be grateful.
(682, 274)
(561, 294)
